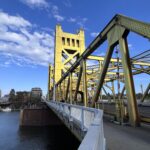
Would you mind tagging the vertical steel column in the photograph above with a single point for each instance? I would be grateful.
(129, 84)
(67, 90)
(49, 88)
(113, 91)
(78, 82)
(84, 83)
(103, 74)
(118, 100)
(60, 92)
(64, 89)
(70, 91)
(56, 93)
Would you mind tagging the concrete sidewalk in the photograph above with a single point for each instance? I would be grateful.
(126, 137)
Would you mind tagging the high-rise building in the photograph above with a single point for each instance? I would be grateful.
(36, 92)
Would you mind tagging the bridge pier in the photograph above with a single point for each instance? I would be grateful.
(38, 117)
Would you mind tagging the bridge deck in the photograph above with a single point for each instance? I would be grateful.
(125, 137)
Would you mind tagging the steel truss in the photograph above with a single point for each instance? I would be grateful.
(73, 79)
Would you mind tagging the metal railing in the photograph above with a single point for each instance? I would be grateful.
(89, 119)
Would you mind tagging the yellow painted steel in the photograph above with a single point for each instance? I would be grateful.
(50, 80)
(70, 91)
(68, 47)
(73, 77)
(84, 82)
(92, 57)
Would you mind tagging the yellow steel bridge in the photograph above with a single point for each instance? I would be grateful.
(73, 80)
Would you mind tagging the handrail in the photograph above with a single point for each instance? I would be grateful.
(89, 119)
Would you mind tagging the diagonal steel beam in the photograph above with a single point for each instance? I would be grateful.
(145, 93)
(129, 84)
(103, 74)
(122, 92)
(134, 25)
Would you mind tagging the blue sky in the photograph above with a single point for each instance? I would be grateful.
(27, 34)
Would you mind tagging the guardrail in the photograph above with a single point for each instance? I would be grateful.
(89, 120)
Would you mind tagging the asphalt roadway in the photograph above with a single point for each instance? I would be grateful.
(126, 137)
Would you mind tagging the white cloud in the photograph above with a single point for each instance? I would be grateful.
(102, 54)
(81, 22)
(130, 45)
(53, 9)
(56, 15)
(84, 19)
(36, 3)
(78, 20)
(67, 3)
(26, 44)
(17, 21)
(94, 34)
(72, 19)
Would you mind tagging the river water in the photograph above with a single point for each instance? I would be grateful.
(37, 138)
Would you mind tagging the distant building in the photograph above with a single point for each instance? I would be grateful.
(21, 99)
(23, 96)
(36, 93)
(4, 99)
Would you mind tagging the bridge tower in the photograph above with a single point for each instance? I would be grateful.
(68, 48)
